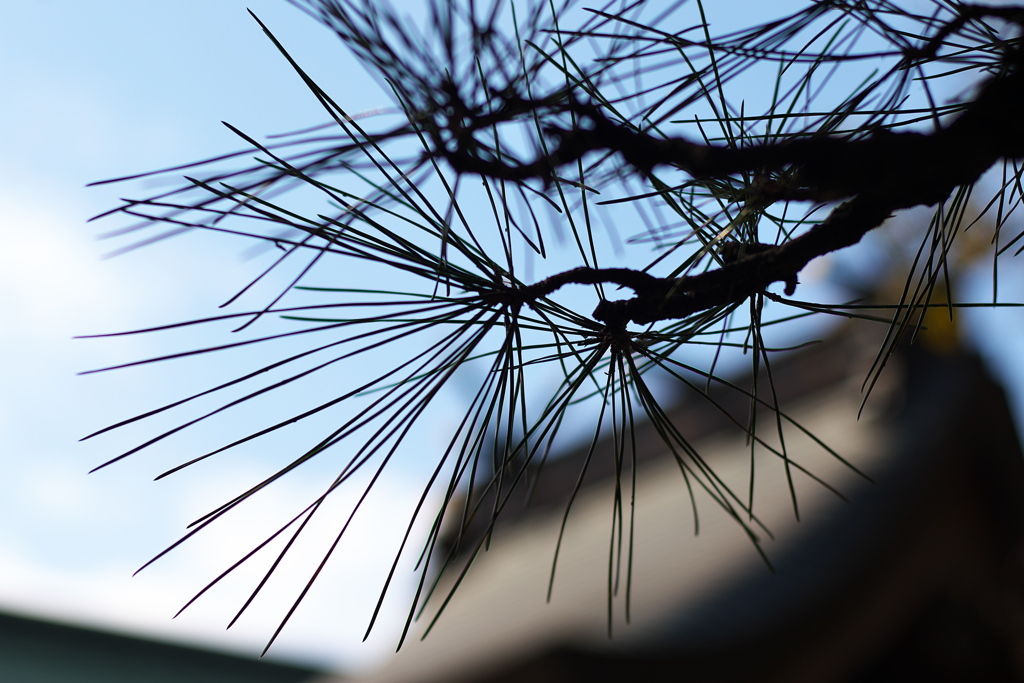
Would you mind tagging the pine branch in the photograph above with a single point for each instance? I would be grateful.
(880, 174)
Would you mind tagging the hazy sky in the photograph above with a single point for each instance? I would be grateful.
(101, 89)
(96, 90)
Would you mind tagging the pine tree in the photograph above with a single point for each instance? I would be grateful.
(485, 210)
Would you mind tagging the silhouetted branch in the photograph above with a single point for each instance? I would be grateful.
(881, 173)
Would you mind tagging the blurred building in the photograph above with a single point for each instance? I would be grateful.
(920, 576)
(38, 651)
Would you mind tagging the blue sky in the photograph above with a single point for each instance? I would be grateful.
(101, 89)
(95, 90)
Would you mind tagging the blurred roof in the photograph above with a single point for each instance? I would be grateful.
(941, 434)
(37, 650)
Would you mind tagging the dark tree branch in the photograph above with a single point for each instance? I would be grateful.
(878, 175)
